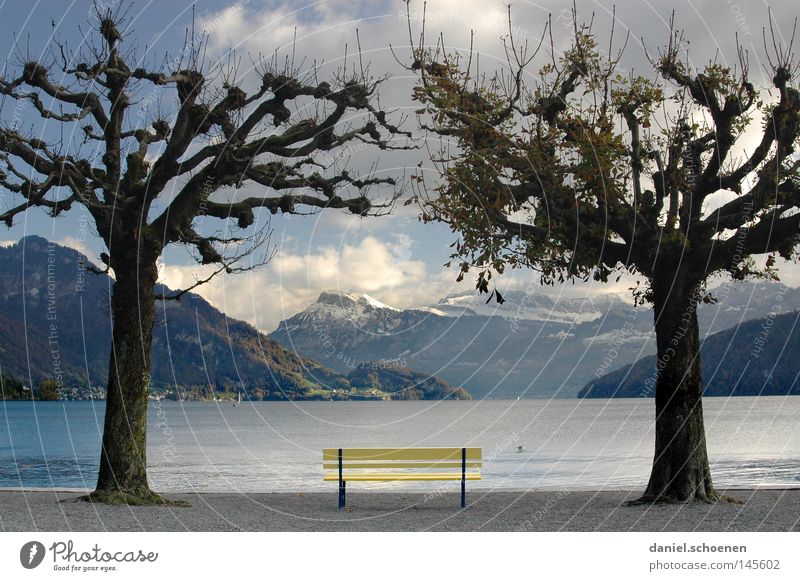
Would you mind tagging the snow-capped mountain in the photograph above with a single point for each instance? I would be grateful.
(533, 345)
(334, 308)
(532, 307)
(341, 304)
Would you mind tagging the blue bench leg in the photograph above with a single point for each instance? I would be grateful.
(342, 485)
(463, 478)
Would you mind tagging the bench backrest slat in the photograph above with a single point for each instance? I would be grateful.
(399, 464)
(410, 455)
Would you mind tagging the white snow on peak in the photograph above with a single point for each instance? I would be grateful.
(431, 310)
(335, 304)
(341, 298)
(521, 307)
(336, 296)
(375, 303)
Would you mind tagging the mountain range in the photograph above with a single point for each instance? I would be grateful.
(53, 319)
(533, 345)
(758, 357)
(54, 324)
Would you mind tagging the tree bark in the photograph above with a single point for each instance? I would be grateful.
(123, 459)
(680, 465)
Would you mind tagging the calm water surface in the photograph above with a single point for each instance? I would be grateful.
(276, 446)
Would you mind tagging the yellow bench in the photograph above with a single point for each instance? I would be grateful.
(384, 464)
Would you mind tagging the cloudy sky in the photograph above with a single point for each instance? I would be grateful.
(394, 258)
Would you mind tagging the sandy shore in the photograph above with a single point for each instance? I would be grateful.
(762, 510)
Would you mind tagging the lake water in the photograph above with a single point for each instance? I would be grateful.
(276, 446)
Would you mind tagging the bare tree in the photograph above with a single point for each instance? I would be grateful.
(284, 139)
(588, 170)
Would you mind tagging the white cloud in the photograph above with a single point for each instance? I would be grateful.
(291, 281)
(79, 245)
(323, 29)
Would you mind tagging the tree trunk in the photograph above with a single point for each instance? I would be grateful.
(123, 458)
(680, 464)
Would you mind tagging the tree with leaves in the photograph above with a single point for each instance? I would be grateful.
(148, 180)
(585, 170)
(48, 390)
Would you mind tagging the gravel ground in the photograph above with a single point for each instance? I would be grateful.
(762, 510)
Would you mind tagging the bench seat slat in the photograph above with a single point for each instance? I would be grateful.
(452, 454)
(402, 476)
(349, 464)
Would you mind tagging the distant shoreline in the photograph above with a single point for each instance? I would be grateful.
(371, 400)
(437, 510)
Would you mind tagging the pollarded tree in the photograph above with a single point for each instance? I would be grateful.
(585, 171)
(147, 186)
